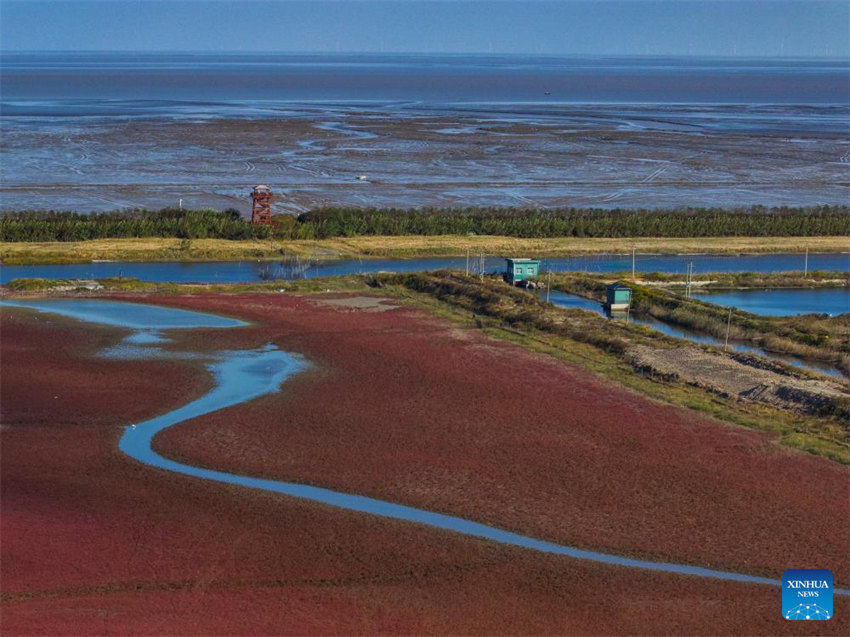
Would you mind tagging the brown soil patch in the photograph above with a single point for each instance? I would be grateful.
(361, 303)
(729, 377)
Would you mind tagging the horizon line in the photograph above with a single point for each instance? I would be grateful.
(439, 53)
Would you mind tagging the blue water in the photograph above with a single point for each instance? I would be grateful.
(133, 316)
(832, 301)
(65, 83)
(571, 301)
(250, 271)
(243, 375)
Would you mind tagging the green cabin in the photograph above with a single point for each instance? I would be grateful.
(618, 297)
(521, 269)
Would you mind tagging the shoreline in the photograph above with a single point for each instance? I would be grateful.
(400, 247)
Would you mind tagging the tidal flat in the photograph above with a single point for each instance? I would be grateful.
(412, 155)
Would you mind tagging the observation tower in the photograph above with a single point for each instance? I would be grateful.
(261, 211)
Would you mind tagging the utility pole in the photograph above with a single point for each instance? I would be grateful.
(180, 204)
(728, 327)
(467, 262)
(806, 266)
(689, 279)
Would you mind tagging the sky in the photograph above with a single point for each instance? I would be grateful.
(744, 28)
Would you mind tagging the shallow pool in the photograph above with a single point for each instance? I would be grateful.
(782, 302)
(133, 316)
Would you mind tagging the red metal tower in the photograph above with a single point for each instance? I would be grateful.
(261, 211)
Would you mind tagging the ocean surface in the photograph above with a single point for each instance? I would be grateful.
(98, 131)
(137, 84)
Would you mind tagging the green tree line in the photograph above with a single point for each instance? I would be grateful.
(168, 222)
(30, 226)
(582, 222)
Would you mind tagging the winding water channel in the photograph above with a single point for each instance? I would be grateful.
(243, 375)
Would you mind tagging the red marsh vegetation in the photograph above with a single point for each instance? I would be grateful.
(402, 406)
(93, 542)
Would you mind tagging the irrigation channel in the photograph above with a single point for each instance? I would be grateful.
(241, 376)
(790, 301)
(293, 268)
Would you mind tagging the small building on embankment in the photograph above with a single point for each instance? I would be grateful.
(618, 297)
(519, 270)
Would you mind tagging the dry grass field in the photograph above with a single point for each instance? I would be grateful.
(156, 249)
